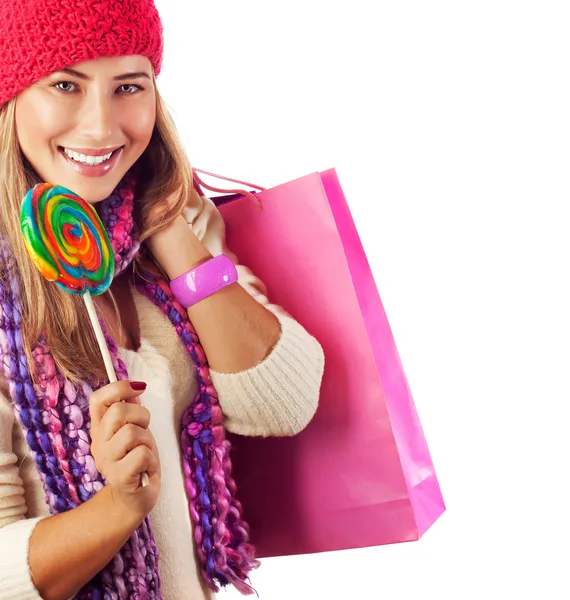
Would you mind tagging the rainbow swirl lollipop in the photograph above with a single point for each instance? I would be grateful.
(66, 240)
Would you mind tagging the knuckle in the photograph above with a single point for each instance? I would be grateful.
(145, 454)
(143, 450)
(131, 433)
(117, 408)
(115, 416)
(139, 412)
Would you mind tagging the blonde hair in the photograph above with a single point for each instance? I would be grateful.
(48, 309)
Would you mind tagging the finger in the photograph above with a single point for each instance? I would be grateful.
(121, 414)
(103, 398)
(139, 460)
(128, 438)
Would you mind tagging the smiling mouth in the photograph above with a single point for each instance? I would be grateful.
(86, 160)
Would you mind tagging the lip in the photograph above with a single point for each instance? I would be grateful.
(91, 152)
(94, 170)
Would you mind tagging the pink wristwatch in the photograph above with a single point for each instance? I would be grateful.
(204, 280)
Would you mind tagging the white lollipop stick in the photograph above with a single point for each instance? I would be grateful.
(105, 352)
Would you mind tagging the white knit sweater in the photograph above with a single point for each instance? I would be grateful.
(277, 397)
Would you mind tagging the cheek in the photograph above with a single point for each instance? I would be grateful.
(139, 123)
(39, 121)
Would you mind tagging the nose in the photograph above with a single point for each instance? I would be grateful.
(97, 119)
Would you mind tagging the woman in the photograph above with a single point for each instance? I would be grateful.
(80, 109)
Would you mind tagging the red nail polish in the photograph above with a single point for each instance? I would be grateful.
(138, 385)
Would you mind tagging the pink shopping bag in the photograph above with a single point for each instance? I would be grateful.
(360, 474)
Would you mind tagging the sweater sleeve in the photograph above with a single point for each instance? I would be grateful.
(15, 530)
(279, 395)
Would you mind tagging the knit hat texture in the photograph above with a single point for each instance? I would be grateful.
(38, 37)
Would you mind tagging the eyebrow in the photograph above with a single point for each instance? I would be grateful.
(125, 76)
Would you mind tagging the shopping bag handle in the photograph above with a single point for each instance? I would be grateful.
(199, 184)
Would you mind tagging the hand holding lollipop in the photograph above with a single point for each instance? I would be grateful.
(69, 245)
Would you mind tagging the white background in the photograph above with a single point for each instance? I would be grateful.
(448, 123)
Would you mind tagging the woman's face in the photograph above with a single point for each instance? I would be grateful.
(104, 105)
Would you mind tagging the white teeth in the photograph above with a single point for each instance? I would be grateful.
(87, 160)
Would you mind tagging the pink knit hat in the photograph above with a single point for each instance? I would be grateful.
(38, 37)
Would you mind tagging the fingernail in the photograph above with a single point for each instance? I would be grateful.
(138, 385)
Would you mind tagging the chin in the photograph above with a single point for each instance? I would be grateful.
(94, 196)
(93, 191)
